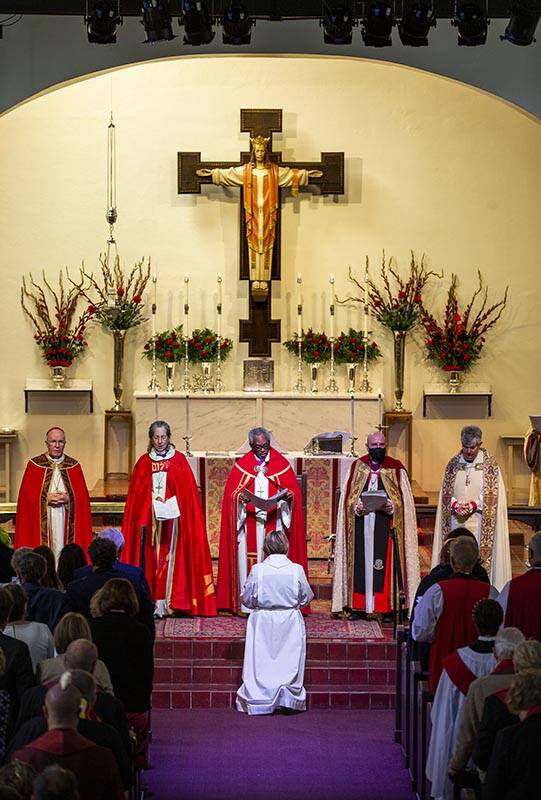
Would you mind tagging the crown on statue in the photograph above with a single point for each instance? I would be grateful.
(260, 141)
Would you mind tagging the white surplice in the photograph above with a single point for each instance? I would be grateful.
(56, 515)
(446, 708)
(275, 649)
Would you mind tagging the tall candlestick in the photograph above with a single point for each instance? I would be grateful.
(352, 414)
(187, 415)
(186, 304)
(219, 306)
(366, 306)
(380, 410)
(299, 305)
(331, 281)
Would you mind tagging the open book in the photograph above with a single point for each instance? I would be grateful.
(265, 504)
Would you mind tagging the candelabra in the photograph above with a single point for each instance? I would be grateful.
(332, 386)
(186, 385)
(300, 385)
(365, 383)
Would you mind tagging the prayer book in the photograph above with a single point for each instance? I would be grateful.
(265, 504)
(166, 509)
(374, 501)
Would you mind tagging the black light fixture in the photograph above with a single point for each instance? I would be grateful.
(523, 20)
(378, 21)
(102, 19)
(337, 22)
(157, 21)
(197, 23)
(237, 24)
(471, 21)
(417, 18)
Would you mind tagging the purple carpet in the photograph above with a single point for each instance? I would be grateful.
(321, 755)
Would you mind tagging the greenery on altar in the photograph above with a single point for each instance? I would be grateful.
(169, 346)
(315, 347)
(349, 348)
(204, 343)
(455, 343)
(118, 301)
(60, 334)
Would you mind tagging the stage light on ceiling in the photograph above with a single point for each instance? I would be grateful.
(378, 23)
(417, 19)
(102, 20)
(237, 24)
(471, 22)
(157, 21)
(197, 23)
(523, 20)
(337, 23)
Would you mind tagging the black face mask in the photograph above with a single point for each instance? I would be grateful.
(377, 454)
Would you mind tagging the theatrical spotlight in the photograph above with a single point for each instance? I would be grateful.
(523, 20)
(102, 20)
(157, 21)
(237, 24)
(197, 23)
(471, 22)
(378, 23)
(417, 19)
(337, 23)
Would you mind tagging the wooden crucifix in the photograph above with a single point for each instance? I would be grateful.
(261, 174)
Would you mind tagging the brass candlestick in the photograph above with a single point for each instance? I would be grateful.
(332, 386)
(300, 385)
(186, 385)
(365, 383)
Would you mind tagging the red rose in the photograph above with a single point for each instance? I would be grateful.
(204, 353)
(316, 354)
(169, 342)
(198, 345)
(120, 292)
(169, 355)
(208, 339)
(137, 298)
(147, 346)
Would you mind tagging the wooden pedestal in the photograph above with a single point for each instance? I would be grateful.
(118, 445)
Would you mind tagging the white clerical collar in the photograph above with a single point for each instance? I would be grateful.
(479, 458)
(56, 460)
(486, 638)
(170, 452)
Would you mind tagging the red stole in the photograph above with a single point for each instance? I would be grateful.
(455, 626)
(524, 604)
(458, 672)
(505, 667)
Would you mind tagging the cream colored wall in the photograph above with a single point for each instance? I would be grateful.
(431, 165)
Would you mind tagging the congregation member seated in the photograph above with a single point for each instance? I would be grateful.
(420, 651)
(444, 614)
(103, 555)
(72, 558)
(496, 714)
(126, 648)
(55, 783)
(19, 778)
(18, 675)
(90, 725)
(459, 670)
(6, 554)
(507, 639)
(44, 604)
(71, 627)
(80, 655)
(97, 774)
(134, 574)
(520, 598)
(513, 771)
(50, 580)
(275, 649)
(37, 635)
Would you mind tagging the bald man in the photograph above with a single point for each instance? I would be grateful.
(53, 506)
(363, 553)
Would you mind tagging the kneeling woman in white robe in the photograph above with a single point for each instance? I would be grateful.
(275, 649)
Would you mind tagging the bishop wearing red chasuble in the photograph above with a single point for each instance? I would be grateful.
(263, 471)
(163, 497)
(53, 506)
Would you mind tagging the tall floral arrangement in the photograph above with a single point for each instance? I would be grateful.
(60, 329)
(315, 347)
(118, 301)
(455, 343)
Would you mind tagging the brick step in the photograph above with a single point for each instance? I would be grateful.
(322, 675)
(172, 663)
(334, 697)
(233, 650)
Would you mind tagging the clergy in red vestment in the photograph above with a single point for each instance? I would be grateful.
(162, 496)
(363, 552)
(520, 598)
(264, 472)
(53, 506)
(444, 613)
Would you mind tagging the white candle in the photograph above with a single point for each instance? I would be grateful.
(366, 306)
(380, 410)
(331, 281)
(299, 305)
(186, 303)
(154, 283)
(352, 414)
(219, 306)
(187, 415)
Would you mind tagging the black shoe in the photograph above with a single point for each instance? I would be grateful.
(356, 615)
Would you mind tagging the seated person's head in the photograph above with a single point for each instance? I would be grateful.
(115, 536)
(72, 626)
(29, 567)
(464, 554)
(507, 640)
(62, 704)
(55, 783)
(19, 777)
(81, 654)
(19, 600)
(50, 578)
(275, 543)
(86, 684)
(102, 553)
(487, 617)
(6, 604)
(445, 552)
(527, 655)
(116, 595)
(72, 557)
(524, 692)
(534, 550)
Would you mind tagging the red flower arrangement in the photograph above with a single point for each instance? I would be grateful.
(455, 344)
(169, 346)
(349, 348)
(203, 346)
(315, 347)
(119, 304)
(60, 339)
